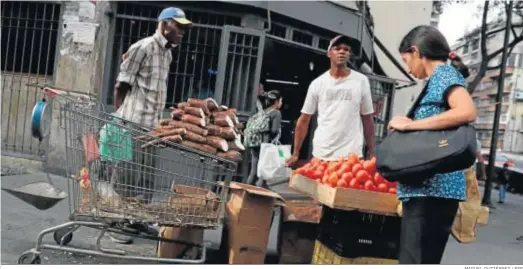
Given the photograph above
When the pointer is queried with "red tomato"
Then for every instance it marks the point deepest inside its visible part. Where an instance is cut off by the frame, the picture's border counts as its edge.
(382, 187)
(340, 172)
(342, 183)
(354, 184)
(347, 177)
(305, 172)
(345, 167)
(393, 190)
(300, 171)
(353, 156)
(369, 186)
(369, 167)
(378, 179)
(333, 179)
(363, 176)
(355, 168)
(317, 174)
(325, 179)
(310, 173)
(331, 167)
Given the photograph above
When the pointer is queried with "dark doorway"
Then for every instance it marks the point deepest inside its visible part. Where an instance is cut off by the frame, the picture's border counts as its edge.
(290, 69)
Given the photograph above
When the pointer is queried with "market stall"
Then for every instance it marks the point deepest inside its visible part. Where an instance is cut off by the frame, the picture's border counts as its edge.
(361, 216)
(352, 194)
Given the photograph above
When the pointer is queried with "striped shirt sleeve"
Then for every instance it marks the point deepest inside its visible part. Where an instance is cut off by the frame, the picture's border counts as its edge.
(130, 67)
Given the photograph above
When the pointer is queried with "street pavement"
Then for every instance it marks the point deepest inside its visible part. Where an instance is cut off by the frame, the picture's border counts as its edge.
(21, 224)
(496, 243)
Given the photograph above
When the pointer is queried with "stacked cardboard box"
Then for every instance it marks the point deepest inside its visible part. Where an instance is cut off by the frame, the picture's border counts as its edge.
(250, 212)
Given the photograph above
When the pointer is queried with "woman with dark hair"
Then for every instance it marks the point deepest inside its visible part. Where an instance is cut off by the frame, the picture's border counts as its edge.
(271, 103)
(430, 207)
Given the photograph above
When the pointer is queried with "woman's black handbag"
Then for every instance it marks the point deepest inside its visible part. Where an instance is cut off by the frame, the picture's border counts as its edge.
(411, 157)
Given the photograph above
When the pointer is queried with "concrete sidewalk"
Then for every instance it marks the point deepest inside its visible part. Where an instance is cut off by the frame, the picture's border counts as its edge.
(21, 223)
(497, 242)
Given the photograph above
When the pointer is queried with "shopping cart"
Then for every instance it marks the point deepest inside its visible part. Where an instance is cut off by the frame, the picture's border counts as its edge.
(119, 174)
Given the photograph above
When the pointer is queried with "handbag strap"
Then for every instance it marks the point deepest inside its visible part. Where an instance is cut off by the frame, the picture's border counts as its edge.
(422, 94)
(416, 104)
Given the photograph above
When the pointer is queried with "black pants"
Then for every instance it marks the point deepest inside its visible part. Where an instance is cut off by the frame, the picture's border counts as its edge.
(425, 229)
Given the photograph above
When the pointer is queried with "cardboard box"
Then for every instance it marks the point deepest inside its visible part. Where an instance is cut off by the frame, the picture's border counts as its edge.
(193, 205)
(307, 211)
(185, 234)
(252, 205)
(249, 220)
(344, 198)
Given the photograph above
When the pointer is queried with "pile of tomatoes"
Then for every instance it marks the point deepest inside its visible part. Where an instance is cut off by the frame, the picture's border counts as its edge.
(350, 172)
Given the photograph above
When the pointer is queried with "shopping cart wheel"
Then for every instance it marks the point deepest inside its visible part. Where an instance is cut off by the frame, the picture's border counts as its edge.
(65, 234)
(29, 258)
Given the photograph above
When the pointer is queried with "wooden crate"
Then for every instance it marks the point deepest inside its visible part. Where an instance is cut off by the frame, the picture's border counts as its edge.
(344, 198)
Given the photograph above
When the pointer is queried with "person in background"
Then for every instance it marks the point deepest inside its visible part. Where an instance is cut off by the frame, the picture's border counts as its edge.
(259, 95)
(479, 168)
(272, 102)
(342, 98)
(141, 90)
(503, 178)
(429, 208)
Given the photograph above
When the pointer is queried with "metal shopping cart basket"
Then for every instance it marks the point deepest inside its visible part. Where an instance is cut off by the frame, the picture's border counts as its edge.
(118, 176)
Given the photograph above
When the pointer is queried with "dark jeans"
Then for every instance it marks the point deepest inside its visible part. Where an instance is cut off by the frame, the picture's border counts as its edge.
(425, 229)
(253, 177)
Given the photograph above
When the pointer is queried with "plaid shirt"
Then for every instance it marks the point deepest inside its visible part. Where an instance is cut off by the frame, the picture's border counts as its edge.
(145, 68)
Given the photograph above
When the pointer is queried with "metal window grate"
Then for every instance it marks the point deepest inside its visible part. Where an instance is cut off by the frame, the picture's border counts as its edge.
(29, 41)
(382, 90)
(278, 30)
(301, 37)
(323, 43)
(195, 62)
(241, 65)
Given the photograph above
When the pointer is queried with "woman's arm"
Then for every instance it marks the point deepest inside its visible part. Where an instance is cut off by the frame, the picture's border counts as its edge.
(276, 123)
(462, 110)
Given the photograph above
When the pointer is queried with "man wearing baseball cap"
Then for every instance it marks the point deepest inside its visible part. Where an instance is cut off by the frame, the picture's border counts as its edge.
(140, 96)
(343, 101)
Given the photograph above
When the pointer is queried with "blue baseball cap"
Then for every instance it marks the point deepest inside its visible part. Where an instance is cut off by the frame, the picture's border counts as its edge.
(174, 13)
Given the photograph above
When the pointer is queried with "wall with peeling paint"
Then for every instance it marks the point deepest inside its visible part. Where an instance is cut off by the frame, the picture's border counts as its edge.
(80, 62)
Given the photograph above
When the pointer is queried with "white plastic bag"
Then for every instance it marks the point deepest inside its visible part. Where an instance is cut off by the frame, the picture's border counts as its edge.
(271, 165)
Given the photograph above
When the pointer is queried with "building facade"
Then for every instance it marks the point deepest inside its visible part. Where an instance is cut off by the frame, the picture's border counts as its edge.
(233, 46)
(510, 136)
(390, 29)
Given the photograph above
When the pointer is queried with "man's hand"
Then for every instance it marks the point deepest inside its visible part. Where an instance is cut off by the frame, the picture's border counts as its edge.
(120, 92)
(302, 127)
(291, 161)
(370, 152)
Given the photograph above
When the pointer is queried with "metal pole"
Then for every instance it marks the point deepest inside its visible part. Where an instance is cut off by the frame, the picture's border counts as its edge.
(501, 84)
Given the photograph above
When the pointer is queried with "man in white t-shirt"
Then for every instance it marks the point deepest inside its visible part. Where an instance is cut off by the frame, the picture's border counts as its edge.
(343, 101)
